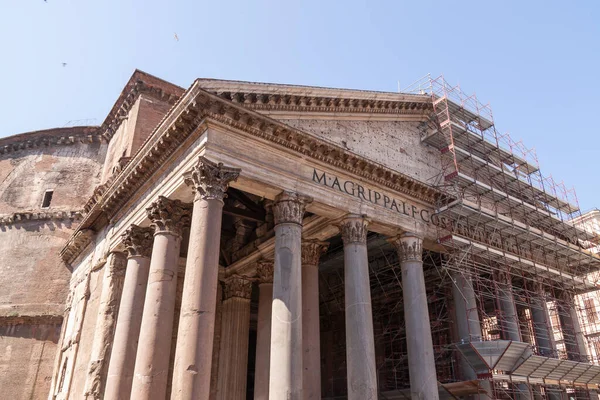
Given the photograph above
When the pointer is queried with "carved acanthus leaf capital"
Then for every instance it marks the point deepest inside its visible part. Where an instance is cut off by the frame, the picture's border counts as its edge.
(354, 229)
(238, 286)
(169, 216)
(264, 271)
(210, 180)
(312, 251)
(409, 247)
(289, 208)
(138, 241)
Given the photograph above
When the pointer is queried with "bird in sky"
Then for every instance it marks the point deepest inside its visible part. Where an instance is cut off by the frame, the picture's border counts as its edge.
(64, 64)
(176, 37)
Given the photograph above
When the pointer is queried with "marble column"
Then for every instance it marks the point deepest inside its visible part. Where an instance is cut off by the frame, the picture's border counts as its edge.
(264, 272)
(421, 362)
(285, 376)
(468, 325)
(311, 333)
(235, 331)
(193, 354)
(110, 296)
(138, 243)
(360, 343)
(154, 346)
(575, 342)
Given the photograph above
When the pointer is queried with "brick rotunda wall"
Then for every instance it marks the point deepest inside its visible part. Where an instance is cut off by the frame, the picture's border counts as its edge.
(34, 281)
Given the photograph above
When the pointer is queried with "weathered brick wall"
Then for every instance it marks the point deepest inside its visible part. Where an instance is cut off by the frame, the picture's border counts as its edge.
(34, 282)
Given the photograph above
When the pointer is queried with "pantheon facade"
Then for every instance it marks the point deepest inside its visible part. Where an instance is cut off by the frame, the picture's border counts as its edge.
(238, 240)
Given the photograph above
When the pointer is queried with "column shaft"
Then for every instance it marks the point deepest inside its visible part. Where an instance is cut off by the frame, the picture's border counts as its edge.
(154, 346)
(311, 333)
(235, 330)
(360, 343)
(110, 296)
(542, 329)
(263, 330)
(138, 242)
(285, 378)
(421, 362)
(193, 355)
(468, 325)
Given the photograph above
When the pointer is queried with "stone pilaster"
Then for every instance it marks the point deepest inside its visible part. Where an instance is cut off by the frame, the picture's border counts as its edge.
(360, 343)
(264, 273)
(286, 327)
(235, 330)
(421, 362)
(138, 243)
(168, 218)
(195, 339)
(110, 296)
(311, 333)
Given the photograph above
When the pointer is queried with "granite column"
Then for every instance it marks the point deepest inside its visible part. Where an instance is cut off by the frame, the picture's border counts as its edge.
(235, 331)
(360, 342)
(421, 363)
(311, 333)
(154, 346)
(193, 354)
(264, 272)
(285, 377)
(138, 243)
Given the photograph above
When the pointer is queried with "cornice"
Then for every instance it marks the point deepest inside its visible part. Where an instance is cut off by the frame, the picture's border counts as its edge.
(20, 217)
(51, 138)
(194, 110)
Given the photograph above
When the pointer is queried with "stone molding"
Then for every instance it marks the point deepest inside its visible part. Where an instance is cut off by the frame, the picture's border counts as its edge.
(264, 271)
(76, 244)
(312, 251)
(169, 216)
(237, 286)
(210, 180)
(354, 229)
(288, 208)
(138, 241)
(409, 247)
(51, 138)
(21, 217)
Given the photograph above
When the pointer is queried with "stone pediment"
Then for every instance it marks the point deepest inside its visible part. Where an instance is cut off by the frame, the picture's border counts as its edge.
(282, 99)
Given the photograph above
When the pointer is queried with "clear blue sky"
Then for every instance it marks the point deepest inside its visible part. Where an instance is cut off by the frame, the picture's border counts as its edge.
(536, 62)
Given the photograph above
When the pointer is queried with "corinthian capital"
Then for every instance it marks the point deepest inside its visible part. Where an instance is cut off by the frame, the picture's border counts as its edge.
(409, 247)
(138, 241)
(238, 286)
(264, 271)
(312, 251)
(211, 180)
(289, 208)
(354, 229)
(169, 216)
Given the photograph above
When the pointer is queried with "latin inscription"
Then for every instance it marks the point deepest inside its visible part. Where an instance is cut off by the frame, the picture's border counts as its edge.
(372, 196)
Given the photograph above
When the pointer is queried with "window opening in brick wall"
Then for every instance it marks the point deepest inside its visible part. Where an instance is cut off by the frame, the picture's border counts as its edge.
(47, 198)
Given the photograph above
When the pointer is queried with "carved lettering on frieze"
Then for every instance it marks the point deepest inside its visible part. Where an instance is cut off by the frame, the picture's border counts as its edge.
(312, 251)
(169, 216)
(238, 286)
(138, 241)
(354, 229)
(289, 208)
(409, 247)
(264, 271)
(210, 180)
